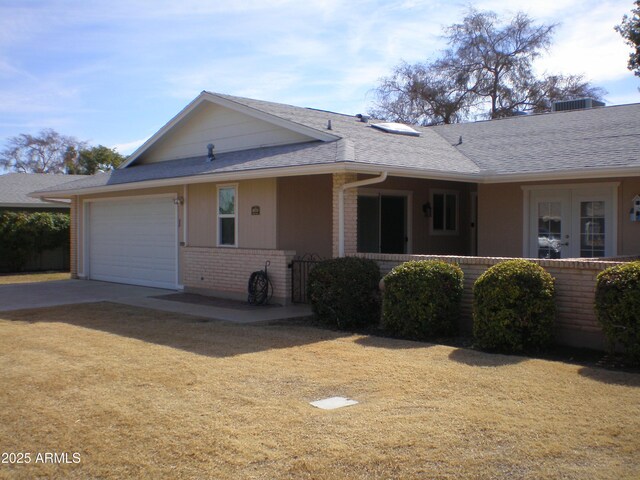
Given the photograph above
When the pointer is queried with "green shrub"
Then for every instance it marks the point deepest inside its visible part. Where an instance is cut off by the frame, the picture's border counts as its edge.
(24, 234)
(344, 292)
(513, 307)
(421, 299)
(617, 305)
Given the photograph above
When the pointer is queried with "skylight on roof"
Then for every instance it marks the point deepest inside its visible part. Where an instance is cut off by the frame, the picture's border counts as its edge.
(397, 128)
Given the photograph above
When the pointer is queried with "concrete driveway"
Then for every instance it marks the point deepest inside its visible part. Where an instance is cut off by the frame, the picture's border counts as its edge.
(64, 292)
(67, 292)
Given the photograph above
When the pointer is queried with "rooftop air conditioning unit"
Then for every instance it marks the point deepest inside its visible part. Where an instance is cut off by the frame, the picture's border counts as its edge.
(576, 104)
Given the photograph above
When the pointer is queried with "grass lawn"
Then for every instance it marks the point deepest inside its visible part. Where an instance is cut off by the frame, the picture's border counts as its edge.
(6, 279)
(145, 394)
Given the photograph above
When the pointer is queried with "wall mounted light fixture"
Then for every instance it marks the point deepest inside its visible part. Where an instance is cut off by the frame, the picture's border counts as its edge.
(426, 209)
(178, 201)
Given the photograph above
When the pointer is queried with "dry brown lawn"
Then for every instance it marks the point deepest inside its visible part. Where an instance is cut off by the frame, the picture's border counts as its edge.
(144, 394)
(33, 277)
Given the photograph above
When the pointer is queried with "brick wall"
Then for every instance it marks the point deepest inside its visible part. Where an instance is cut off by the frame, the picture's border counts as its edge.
(350, 213)
(576, 323)
(225, 272)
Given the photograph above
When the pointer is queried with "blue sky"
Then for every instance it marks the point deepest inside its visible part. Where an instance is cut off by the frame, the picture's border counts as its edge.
(113, 72)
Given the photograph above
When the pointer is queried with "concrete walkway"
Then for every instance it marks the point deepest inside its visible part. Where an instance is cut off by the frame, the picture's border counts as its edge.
(68, 292)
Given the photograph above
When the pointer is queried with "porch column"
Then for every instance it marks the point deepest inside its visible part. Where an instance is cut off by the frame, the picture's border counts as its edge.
(350, 214)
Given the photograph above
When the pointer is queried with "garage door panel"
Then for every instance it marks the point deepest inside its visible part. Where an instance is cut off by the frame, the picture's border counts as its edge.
(133, 242)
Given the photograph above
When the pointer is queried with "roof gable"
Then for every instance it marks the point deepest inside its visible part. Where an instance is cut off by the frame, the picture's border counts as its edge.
(229, 125)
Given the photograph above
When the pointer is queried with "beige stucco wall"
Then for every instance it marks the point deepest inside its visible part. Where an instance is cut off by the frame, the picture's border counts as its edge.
(304, 217)
(254, 231)
(500, 216)
(500, 220)
(228, 130)
(80, 217)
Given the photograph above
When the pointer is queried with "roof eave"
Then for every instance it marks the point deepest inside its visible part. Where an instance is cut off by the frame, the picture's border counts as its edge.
(355, 167)
(568, 174)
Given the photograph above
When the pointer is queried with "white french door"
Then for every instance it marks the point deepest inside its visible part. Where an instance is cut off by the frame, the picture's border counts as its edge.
(572, 222)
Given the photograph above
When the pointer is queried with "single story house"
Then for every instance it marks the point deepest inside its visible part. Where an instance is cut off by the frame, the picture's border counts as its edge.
(231, 182)
(14, 197)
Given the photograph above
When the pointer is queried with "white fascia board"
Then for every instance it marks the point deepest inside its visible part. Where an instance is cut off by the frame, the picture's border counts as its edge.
(223, 102)
(564, 175)
(35, 206)
(410, 172)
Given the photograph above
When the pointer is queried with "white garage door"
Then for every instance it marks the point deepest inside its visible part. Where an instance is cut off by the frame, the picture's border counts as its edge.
(133, 241)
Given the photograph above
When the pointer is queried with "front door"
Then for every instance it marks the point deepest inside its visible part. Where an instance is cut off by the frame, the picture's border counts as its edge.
(571, 223)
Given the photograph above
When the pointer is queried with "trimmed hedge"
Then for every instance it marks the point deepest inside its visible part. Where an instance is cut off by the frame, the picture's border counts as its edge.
(617, 305)
(344, 292)
(421, 299)
(24, 234)
(513, 307)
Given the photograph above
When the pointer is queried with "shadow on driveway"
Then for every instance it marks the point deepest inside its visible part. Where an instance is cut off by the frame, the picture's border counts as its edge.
(197, 335)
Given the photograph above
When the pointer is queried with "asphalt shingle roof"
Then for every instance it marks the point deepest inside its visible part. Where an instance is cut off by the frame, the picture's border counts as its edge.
(429, 151)
(563, 141)
(598, 138)
(312, 153)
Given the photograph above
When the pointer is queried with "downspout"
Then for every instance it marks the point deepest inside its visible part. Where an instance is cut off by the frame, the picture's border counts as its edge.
(343, 188)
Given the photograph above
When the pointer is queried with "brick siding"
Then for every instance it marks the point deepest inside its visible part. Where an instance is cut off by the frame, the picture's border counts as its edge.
(350, 214)
(576, 324)
(225, 272)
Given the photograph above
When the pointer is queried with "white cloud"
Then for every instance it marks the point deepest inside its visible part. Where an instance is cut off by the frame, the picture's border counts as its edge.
(127, 148)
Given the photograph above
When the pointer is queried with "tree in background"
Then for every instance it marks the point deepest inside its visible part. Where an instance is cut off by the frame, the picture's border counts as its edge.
(630, 31)
(51, 152)
(488, 65)
(92, 160)
(42, 153)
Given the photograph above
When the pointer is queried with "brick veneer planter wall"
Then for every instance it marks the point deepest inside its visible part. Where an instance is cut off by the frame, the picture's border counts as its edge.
(225, 272)
(576, 323)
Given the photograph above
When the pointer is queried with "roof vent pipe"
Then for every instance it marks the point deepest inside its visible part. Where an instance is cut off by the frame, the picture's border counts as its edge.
(362, 118)
(211, 157)
(329, 125)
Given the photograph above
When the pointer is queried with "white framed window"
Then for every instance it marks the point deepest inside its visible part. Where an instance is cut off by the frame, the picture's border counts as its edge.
(227, 215)
(444, 212)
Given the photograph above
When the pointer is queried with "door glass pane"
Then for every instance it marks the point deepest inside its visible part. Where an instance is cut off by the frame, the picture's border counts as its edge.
(450, 213)
(438, 211)
(549, 229)
(592, 232)
(392, 222)
(228, 231)
(368, 224)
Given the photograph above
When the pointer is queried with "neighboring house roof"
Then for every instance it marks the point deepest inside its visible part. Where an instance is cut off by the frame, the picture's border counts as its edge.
(586, 143)
(15, 189)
